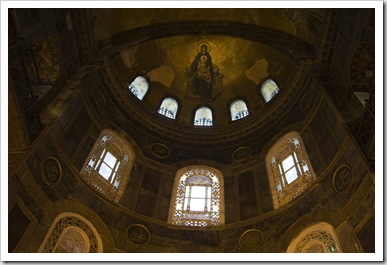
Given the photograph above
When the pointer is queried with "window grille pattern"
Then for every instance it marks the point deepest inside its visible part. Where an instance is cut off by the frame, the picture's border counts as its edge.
(42, 64)
(269, 89)
(316, 238)
(108, 166)
(238, 110)
(76, 244)
(139, 87)
(197, 199)
(317, 242)
(72, 241)
(168, 108)
(203, 117)
(289, 169)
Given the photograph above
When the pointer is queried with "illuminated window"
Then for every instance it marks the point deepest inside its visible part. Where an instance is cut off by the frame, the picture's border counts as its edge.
(317, 238)
(168, 108)
(238, 110)
(198, 197)
(289, 169)
(203, 117)
(269, 89)
(109, 164)
(139, 87)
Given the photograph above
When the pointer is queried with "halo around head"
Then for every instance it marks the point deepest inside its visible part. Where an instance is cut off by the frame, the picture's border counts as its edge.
(204, 43)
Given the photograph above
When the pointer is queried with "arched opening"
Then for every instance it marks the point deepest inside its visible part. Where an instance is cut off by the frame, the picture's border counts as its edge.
(71, 233)
(139, 87)
(269, 89)
(317, 238)
(289, 169)
(203, 117)
(108, 165)
(168, 108)
(197, 197)
(238, 110)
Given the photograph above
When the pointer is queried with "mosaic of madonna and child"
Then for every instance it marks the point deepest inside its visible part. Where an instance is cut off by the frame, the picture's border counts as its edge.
(203, 79)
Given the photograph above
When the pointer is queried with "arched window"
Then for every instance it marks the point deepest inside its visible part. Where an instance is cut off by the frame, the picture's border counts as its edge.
(139, 87)
(238, 109)
(168, 108)
(71, 233)
(108, 165)
(269, 89)
(197, 198)
(318, 238)
(203, 117)
(289, 169)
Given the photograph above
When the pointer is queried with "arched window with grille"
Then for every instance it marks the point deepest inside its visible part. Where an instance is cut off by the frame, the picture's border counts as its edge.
(108, 165)
(197, 198)
(317, 238)
(289, 169)
(238, 110)
(203, 117)
(71, 233)
(139, 87)
(269, 89)
(168, 108)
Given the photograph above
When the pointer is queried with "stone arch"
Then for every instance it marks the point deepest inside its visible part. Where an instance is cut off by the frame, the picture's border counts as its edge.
(71, 221)
(317, 238)
(53, 210)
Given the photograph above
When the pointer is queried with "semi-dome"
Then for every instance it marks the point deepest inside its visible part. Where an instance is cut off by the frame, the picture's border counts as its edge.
(191, 130)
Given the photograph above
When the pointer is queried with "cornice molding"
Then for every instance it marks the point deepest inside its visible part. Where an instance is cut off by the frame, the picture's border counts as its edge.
(282, 41)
